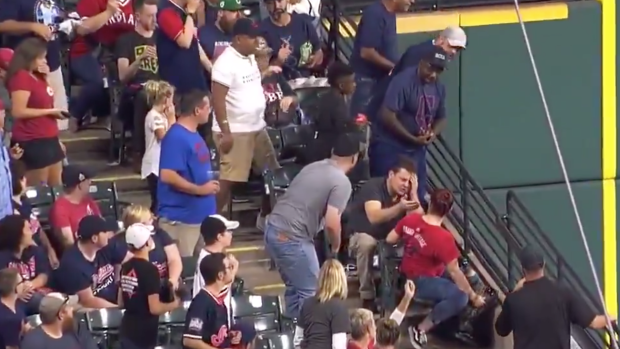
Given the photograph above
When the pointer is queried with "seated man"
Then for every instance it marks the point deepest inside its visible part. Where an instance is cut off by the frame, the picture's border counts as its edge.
(375, 210)
(87, 268)
(18, 250)
(74, 204)
(430, 252)
(137, 63)
(12, 311)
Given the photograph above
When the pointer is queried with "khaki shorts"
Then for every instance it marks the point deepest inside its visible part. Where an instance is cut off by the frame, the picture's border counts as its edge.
(249, 149)
(186, 236)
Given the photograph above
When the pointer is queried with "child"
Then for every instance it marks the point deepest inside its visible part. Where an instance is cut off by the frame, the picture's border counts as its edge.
(159, 96)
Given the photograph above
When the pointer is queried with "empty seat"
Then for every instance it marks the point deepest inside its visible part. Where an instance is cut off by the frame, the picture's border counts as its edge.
(267, 323)
(253, 305)
(281, 340)
(104, 324)
(171, 325)
(41, 198)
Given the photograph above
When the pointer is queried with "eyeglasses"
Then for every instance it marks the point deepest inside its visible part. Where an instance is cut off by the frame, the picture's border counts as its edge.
(62, 306)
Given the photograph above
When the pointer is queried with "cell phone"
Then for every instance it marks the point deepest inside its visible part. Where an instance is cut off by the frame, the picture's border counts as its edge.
(65, 114)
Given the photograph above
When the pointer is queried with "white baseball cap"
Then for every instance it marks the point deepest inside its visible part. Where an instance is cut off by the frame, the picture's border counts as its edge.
(455, 35)
(230, 225)
(138, 234)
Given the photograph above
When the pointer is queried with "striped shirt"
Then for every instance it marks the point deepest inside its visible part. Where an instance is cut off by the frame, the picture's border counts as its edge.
(6, 187)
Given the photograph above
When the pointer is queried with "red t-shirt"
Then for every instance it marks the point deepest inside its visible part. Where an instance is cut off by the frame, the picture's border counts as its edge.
(428, 248)
(41, 97)
(122, 22)
(67, 214)
(351, 345)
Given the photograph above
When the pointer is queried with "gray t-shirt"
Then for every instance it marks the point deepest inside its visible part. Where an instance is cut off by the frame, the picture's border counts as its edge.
(321, 321)
(38, 339)
(300, 211)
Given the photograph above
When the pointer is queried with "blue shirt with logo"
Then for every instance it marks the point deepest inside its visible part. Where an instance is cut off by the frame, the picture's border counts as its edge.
(301, 35)
(32, 263)
(75, 273)
(186, 153)
(417, 104)
(46, 12)
(213, 41)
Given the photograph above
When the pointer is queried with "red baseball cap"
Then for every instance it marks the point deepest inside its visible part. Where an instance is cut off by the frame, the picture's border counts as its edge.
(6, 54)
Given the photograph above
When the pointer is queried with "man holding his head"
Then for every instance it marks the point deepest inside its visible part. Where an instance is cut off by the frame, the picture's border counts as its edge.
(187, 185)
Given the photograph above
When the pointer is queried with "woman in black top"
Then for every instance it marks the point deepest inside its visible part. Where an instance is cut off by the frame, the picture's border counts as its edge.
(22, 207)
(139, 293)
(324, 319)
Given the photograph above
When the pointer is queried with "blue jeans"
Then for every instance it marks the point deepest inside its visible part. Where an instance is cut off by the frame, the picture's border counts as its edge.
(298, 265)
(92, 93)
(449, 299)
(383, 156)
(362, 95)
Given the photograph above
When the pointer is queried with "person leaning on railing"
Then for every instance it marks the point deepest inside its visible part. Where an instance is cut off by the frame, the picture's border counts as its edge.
(539, 311)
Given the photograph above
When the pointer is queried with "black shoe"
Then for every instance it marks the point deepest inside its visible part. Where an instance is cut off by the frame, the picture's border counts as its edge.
(370, 305)
(417, 338)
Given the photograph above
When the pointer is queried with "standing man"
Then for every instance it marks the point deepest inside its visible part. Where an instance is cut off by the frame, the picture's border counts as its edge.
(317, 197)
(181, 59)
(187, 186)
(540, 312)
(239, 131)
(412, 116)
(375, 49)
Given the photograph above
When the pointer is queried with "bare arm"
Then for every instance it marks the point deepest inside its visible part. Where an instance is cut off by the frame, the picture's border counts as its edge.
(175, 266)
(156, 307)
(392, 237)
(204, 59)
(127, 71)
(88, 300)
(92, 24)
(187, 35)
(179, 183)
(16, 28)
(219, 106)
(371, 55)
(456, 274)
(333, 226)
(39, 281)
(67, 236)
(377, 215)
(391, 121)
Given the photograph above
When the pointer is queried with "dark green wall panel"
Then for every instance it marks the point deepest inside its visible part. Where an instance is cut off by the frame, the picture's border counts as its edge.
(550, 205)
(505, 137)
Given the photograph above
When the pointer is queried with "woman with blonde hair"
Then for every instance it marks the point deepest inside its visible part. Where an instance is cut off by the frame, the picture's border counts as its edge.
(164, 255)
(159, 95)
(324, 319)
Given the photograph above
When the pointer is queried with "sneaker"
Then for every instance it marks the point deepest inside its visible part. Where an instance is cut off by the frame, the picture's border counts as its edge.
(417, 338)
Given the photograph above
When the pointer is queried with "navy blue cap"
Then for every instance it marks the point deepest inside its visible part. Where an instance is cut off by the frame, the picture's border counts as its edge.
(72, 175)
(92, 225)
(438, 58)
(245, 26)
(531, 258)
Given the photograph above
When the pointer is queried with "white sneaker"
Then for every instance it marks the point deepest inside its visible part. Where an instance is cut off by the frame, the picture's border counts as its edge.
(417, 338)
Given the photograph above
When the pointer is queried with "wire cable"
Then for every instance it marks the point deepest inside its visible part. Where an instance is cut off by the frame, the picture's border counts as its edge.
(569, 187)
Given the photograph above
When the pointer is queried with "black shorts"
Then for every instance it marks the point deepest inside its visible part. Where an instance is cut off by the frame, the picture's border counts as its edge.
(40, 153)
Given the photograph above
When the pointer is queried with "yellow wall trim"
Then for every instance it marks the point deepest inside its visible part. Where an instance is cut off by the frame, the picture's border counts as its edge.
(610, 144)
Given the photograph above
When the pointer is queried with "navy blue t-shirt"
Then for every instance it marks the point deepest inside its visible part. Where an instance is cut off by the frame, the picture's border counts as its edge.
(157, 256)
(210, 14)
(75, 273)
(417, 104)
(32, 263)
(301, 35)
(171, 21)
(411, 58)
(11, 324)
(377, 29)
(186, 153)
(207, 320)
(41, 11)
(213, 41)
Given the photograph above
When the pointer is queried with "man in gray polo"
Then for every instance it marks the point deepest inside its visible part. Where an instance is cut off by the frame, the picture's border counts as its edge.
(317, 197)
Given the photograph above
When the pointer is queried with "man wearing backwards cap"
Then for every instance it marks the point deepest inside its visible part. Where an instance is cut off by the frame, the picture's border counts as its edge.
(57, 325)
(87, 268)
(139, 293)
(74, 204)
(540, 312)
(412, 115)
(300, 213)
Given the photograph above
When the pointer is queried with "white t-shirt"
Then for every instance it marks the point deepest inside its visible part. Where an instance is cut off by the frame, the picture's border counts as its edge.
(245, 101)
(150, 161)
(308, 7)
(199, 283)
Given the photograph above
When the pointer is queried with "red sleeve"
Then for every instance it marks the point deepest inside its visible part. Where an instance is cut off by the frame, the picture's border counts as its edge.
(58, 215)
(446, 247)
(409, 220)
(170, 23)
(89, 8)
(21, 81)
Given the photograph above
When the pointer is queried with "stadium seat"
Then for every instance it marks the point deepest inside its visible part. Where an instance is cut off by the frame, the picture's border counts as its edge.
(189, 267)
(294, 139)
(238, 287)
(41, 199)
(105, 195)
(308, 98)
(276, 139)
(262, 342)
(171, 325)
(281, 340)
(267, 323)
(252, 305)
(104, 324)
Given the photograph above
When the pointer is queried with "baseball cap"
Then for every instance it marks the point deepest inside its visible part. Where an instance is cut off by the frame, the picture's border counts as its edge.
(531, 258)
(138, 234)
(438, 58)
(245, 26)
(6, 55)
(346, 145)
(52, 303)
(455, 35)
(230, 225)
(230, 5)
(92, 225)
(72, 175)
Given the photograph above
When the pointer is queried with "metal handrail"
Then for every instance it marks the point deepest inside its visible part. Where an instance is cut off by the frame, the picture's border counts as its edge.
(524, 228)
